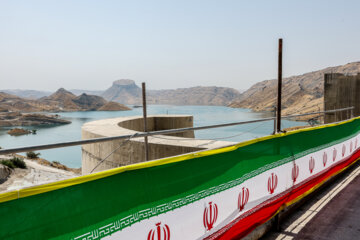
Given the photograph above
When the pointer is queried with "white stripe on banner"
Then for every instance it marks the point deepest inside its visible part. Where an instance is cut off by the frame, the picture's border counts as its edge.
(204, 217)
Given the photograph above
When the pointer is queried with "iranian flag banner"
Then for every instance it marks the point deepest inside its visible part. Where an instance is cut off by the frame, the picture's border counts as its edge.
(214, 194)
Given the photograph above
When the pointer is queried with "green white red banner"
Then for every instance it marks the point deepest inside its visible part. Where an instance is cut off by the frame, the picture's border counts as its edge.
(215, 194)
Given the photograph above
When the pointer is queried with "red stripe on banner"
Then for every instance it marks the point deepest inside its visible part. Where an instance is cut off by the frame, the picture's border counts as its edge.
(242, 226)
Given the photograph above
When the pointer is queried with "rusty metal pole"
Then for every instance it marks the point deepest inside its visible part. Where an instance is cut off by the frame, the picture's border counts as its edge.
(145, 121)
(274, 120)
(278, 117)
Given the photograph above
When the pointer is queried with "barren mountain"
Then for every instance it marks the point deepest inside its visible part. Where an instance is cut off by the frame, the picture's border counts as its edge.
(61, 100)
(78, 92)
(123, 91)
(113, 106)
(300, 94)
(126, 91)
(89, 102)
(31, 94)
(14, 103)
(218, 96)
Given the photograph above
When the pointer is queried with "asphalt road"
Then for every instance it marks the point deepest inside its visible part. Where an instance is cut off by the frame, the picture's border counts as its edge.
(334, 213)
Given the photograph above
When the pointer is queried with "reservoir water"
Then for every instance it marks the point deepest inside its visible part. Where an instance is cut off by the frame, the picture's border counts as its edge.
(203, 115)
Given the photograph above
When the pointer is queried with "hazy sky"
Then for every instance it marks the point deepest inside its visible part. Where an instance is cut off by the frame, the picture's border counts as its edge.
(48, 44)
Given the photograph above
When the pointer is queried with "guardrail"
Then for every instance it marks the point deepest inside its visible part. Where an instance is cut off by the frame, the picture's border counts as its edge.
(151, 133)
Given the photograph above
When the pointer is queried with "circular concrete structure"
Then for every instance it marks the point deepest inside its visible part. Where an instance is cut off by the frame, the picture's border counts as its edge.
(133, 151)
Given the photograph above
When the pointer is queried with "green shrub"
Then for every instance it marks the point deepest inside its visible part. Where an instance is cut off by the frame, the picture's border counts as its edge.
(18, 162)
(32, 155)
(8, 163)
(14, 163)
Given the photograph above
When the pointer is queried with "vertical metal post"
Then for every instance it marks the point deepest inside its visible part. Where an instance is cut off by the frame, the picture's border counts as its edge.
(278, 118)
(274, 120)
(145, 121)
(336, 113)
(352, 113)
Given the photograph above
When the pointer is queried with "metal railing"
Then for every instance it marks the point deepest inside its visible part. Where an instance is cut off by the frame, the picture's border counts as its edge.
(152, 133)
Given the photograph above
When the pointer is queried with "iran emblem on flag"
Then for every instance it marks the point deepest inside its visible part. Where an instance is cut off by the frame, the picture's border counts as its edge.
(311, 164)
(210, 216)
(160, 232)
(243, 198)
(272, 183)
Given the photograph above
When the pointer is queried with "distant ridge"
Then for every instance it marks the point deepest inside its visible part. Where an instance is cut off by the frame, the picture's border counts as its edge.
(127, 92)
(216, 96)
(30, 94)
(78, 92)
(301, 94)
(60, 101)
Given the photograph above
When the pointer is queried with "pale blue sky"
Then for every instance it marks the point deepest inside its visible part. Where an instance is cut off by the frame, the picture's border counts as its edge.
(169, 44)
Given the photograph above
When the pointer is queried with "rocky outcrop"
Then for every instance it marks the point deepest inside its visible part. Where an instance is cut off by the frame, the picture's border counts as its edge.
(89, 102)
(23, 119)
(126, 91)
(113, 106)
(4, 173)
(123, 91)
(301, 94)
(61, 100)
(18, 132)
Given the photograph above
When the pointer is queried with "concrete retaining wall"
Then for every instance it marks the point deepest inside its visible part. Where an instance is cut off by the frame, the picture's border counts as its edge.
(133, 151)
(341, 91)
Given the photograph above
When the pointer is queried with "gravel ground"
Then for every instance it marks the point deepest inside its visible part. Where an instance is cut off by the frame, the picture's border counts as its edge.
(35, 174)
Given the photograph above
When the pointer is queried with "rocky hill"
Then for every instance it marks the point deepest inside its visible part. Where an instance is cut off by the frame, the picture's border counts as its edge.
(78, 92)
(300, 94)
(123, 91)
(217, 96)
(89, 102)
(126, 91)
(12, 103)
(60, 101)
(112, 106)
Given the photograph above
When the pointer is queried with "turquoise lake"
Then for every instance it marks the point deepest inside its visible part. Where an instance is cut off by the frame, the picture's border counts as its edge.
(203, 115)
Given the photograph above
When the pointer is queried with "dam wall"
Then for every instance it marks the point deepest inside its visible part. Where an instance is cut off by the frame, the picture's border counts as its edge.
(124, 152)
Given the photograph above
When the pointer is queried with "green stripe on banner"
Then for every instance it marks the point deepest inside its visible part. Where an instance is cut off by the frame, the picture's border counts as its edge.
(132, 196)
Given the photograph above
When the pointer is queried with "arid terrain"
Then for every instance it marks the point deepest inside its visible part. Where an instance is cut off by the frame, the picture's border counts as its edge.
(60, 101)
(8, 119)
(127, 92)
(301, 94)
(38, 171)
